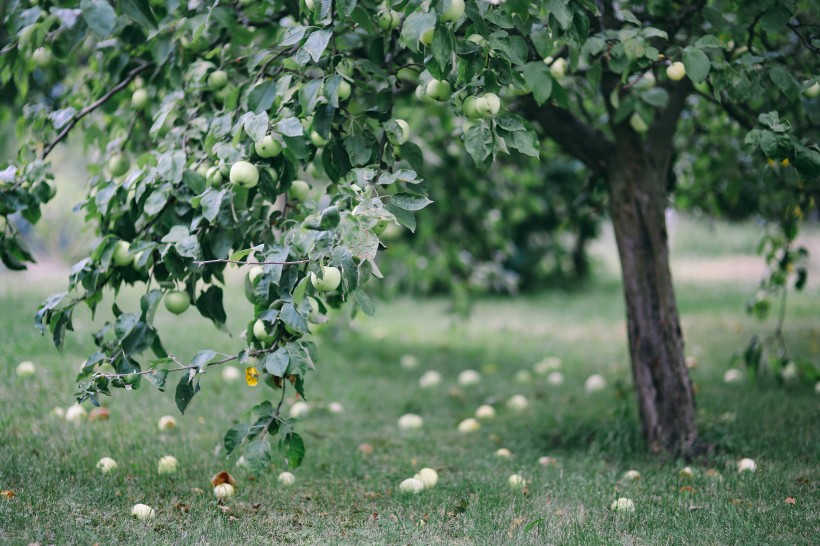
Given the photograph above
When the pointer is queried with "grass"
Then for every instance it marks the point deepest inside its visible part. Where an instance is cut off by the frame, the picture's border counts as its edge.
(342, 497)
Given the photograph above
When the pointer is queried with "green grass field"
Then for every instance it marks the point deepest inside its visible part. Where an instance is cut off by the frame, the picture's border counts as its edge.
(343, 497)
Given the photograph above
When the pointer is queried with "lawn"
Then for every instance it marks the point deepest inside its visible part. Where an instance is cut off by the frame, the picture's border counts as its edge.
(344, 497)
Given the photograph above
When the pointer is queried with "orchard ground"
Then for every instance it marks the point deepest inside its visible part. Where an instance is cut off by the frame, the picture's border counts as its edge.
(344, 497)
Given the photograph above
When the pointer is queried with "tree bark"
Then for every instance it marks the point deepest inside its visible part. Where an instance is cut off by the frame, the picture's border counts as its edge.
(637, 206)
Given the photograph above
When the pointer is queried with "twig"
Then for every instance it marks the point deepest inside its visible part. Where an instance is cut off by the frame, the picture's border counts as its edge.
(295, 262)
(93, 106)
(152, 371)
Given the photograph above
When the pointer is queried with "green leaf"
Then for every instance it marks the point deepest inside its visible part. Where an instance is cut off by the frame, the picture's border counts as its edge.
(276, 363)
(99, 16)
(257, 455)
(202, 357)
(416, 24)
(157, 378)
(404, 217)
(410, 201)
(290, 316)
(365, 303)
(443, 47)
(479, 144)
(537, 76)
(261, 97)
(657, 97)
(139, 11)
(697, 64)
(235, 436)
(209, 304)
(186, 389)
(317, 43)
(561, 11)
(293, 448)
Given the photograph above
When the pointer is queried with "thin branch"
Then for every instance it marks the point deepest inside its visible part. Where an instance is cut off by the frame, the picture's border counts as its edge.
(93, 106)
(152, 371)
(806, 41)
(295, 262)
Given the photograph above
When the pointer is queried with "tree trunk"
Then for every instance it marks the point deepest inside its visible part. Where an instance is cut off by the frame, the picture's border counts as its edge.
(637, 204)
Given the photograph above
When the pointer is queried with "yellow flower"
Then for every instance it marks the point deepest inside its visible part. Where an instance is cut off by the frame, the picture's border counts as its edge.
(252, 376)
(770, 162)
(785, 162)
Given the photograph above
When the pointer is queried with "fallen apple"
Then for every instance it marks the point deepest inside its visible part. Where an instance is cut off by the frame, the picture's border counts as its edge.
(167, 422)
(411, 486)
(286, 478)
(106, 465)
(26, 368)
(142, 512)
(167, 465)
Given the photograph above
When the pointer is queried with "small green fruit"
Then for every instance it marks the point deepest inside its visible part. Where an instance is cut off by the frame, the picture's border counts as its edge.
(387, 19)
(298, 190)
(140, 99)
(454, 12)
(244, 174)
(331, 278)
(488, 104)
(638, 124)
(469, 107)
(558, 69)
(217, 80)
(261, 332)
(42, 57)
(121, 257)
(118, 165)
(477, 39)
(317, 139)
(380, 226)
(399, 139)
(408, 74)
(426, 37)
(812, 92)
(345, 68)
(438, 90)
(214, 176)
(343, 91)
(177, 301)
(268, 147)
(676, 71)
(310, 5)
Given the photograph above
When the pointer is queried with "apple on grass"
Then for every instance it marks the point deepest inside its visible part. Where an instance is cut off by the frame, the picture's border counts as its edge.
(286, 478)
(167, 465)
(177, 301)
(428, 477)
(623, 504)
(26, 368)
(485, 412)
(224, 491)
(516, 481)
(167, 422)
(429, 379)
(411, 486)
(244, 174)
(469, 425)
(331, 279)
(410, 421)
(142, 512)
(106, 465)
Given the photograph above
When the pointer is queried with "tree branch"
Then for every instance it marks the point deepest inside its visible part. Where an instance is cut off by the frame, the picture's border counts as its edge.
(576, 138)
(662, 131)
(93, 106)
(240, 262)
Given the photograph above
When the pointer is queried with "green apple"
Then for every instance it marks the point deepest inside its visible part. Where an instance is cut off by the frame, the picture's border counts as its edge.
(317, 139)
(140, 99)
(331, 278)
(812, 92)
(310, 5)
(399, 139)
(42, 57)
(298, 190)
(121, 257)
(438, 90)
(637, 123)
(214, 176)
(676, 71)
(345, 68)
(118, 165)
(244, 174)
(387, 19)
(218, 79)
(454, 11)
(477, 39)
(427, 36)
(558, 69)
(408, 74)
(255, 272)
(469, 107)
(343, 91)
(644, 82)
(379, 227)
(261, 331)
(268, 147)
(488, 104)
(177, 301)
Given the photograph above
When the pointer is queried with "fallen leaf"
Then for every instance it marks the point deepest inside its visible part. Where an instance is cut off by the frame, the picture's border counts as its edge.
(687, 489)
(7, 493)
(223, 477)
(516, 523)
(197, 491)
(225, 509)
(790, 500)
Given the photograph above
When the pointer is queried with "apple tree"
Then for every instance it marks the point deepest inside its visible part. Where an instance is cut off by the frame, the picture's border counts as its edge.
(225, 131)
